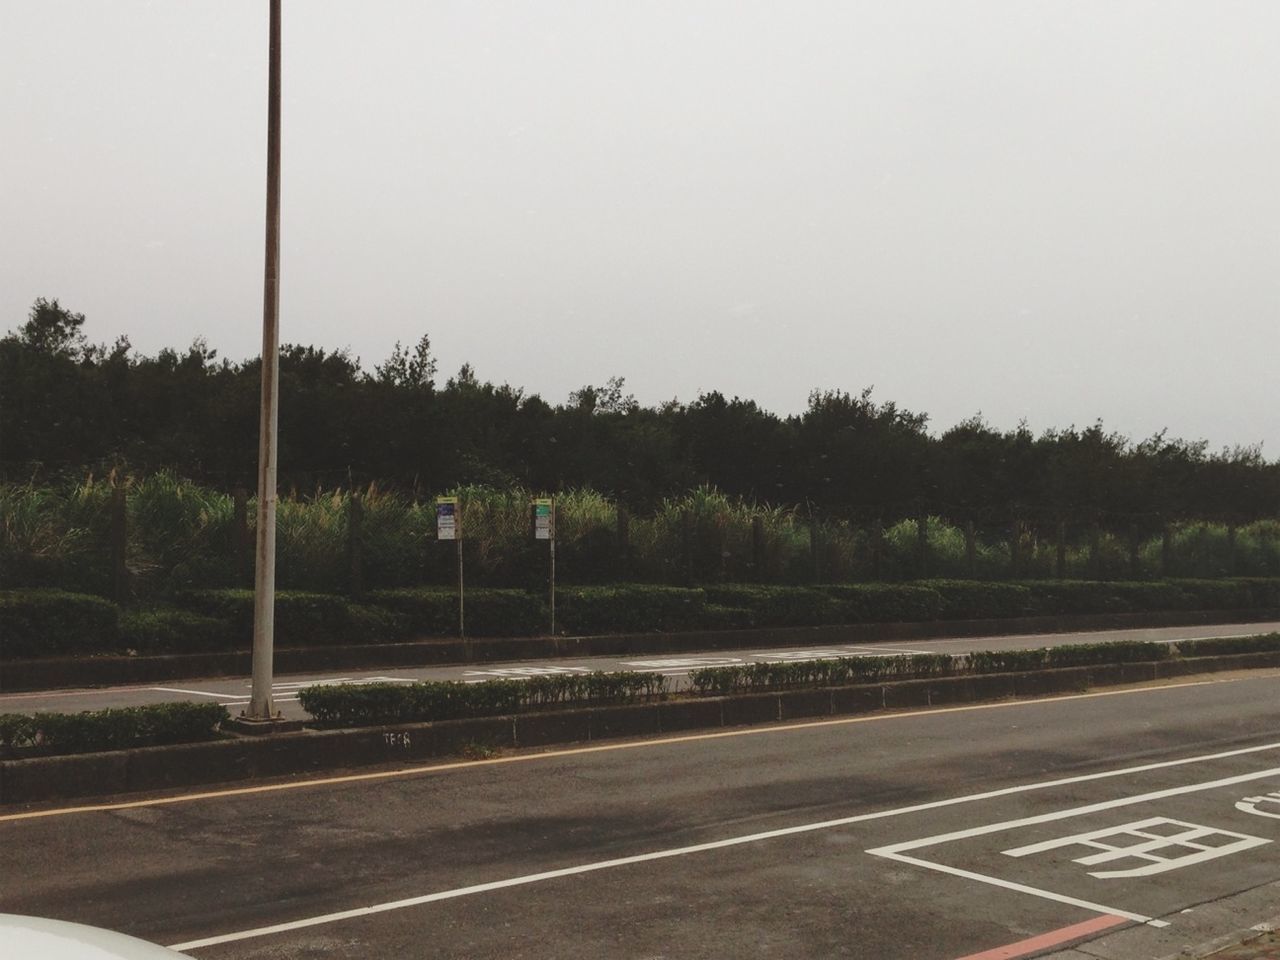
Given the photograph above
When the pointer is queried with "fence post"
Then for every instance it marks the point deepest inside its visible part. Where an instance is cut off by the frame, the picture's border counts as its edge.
(240, 542)
(1095, 551)
(355, 552)
(1134, 547)
(1060, 565)
(1232, 566)
(877, 549)
(815, 549)
(970, 551)
(624, 539)
(686, 547)
(1015, 549)
(1166, 551)
(922, 547)
(757, 548)
(119, 545)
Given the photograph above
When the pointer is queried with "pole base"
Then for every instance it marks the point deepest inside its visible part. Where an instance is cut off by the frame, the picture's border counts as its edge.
(254, 727)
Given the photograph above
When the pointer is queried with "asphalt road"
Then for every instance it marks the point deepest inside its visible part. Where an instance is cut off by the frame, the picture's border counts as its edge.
(234, 691)
(1139, 822)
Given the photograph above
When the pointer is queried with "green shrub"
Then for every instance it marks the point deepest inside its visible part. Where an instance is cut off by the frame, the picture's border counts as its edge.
(1225, 646)
(761, 677)
(778, 606)
(1006, 661)
(1097, 654)
(882, 602)
(1234, 594)
(378, 703)
(45, 623)
(979, 600)
(118, 729)
(490, 611)
(717, 617)
(301, 619)
(628, 608)
(169, 630)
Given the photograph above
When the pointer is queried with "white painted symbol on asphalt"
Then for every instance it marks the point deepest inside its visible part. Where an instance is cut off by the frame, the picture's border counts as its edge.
(1251, 804)
(1149, 839)
(520, 673)
(684, 662)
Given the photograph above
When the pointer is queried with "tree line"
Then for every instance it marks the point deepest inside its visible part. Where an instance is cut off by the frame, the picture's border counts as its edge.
(68, 406)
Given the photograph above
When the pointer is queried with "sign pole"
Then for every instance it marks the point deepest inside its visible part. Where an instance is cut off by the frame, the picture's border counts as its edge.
(553, 566)
(449, 527)
(544, 528)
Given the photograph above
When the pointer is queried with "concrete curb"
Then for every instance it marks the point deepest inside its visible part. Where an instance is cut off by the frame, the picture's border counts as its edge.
(225, 761)
(54, 672)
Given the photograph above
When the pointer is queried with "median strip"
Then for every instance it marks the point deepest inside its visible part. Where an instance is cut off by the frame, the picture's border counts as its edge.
(379, 723)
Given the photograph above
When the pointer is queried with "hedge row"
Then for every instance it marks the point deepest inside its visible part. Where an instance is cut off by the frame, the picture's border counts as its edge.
(377, 703)
(49, 623)
(842, 671)
(46, 623)
(382, 703)
(44, 734)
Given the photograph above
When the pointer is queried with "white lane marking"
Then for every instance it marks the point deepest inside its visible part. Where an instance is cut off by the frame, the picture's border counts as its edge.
(1147, 846)
(667, 663)
(522, 673)
(1118, 635)
(755, 838)
(1032, 891)
(896, 851)
(193, 693)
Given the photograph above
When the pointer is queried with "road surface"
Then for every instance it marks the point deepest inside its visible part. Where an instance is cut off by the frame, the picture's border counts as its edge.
(1139, 822)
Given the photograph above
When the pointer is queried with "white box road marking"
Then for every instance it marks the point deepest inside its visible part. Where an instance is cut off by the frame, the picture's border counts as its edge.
(1146, 847)
(898, 851)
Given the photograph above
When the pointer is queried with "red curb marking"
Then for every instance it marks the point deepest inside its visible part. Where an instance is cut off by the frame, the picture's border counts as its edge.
(1050, 939)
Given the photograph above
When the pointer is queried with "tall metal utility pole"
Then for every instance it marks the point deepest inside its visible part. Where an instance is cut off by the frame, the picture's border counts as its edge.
(264, 592)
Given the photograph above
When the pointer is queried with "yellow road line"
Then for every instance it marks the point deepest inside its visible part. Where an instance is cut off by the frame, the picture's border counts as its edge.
(578, 751)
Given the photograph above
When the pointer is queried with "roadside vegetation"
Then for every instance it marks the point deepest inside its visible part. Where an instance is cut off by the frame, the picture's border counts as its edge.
(47, 623)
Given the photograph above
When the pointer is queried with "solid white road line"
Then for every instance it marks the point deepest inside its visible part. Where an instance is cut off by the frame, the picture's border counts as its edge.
(770, 835)
(194, 693)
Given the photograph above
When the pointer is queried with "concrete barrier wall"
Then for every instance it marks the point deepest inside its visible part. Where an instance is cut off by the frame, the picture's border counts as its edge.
(54, 672)
(314, 751)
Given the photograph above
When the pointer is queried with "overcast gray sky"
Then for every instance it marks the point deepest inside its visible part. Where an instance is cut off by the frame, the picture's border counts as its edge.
(1052, 210)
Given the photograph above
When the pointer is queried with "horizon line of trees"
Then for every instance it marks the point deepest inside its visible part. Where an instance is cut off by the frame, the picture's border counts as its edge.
(68, 406)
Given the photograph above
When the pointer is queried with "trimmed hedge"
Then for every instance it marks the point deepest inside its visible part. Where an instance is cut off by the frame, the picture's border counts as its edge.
(778, 606)
(44, 734)
(842, 671)
(1225, 646)
(1072, 655)
(386, 703)
(301, 619)
(46, 623)
(169, 630)
(378, 703)
(629, 608)
(36, 623)
(490, 611)
(885, 602)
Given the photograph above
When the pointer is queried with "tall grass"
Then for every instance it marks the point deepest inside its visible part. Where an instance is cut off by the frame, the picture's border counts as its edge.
(183, 535)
